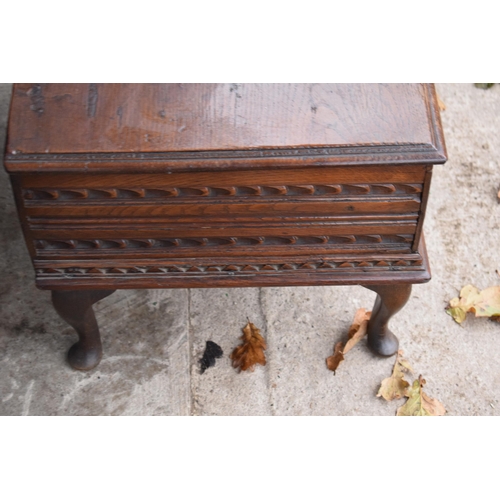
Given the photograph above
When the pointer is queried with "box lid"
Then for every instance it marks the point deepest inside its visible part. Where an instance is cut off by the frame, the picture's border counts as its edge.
(124, 127)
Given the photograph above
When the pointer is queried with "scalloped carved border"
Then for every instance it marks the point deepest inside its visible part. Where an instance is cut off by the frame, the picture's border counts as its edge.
(229, 241)
(50, 194)
(411, 264)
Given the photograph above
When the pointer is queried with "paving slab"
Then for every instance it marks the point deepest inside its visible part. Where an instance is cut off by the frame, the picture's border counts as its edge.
(153, 339)
(219, 315)
(303, 324)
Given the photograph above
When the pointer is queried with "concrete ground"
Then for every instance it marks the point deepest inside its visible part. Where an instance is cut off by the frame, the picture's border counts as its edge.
(153, 338)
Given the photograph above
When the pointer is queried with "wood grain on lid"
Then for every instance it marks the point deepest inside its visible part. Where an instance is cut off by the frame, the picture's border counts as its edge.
(223, 120)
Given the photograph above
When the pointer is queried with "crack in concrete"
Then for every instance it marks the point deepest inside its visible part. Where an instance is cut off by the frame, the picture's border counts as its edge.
(266, 329)
(190, 360)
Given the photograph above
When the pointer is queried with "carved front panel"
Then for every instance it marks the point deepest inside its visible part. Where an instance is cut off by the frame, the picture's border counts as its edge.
(102, 225)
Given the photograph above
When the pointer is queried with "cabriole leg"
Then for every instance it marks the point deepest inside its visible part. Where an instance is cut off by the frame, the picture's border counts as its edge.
(390, 299)
(75, 307)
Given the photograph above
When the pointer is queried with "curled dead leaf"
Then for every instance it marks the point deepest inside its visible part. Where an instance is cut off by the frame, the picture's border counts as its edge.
(420, 404)
(358, 328)
(395, 386)
(356, 332)
(485, 303)
(251, 351)
(334, 361)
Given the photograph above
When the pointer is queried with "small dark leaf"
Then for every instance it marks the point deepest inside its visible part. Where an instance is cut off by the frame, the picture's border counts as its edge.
(484, 85)
(212, 351)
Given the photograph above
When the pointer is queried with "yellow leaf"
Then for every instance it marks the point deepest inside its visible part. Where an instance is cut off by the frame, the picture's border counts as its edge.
(334, 361)
(484, 304)
(395, 386)
(457, 313)
(251, 351)
(420, 404)
(488, 304)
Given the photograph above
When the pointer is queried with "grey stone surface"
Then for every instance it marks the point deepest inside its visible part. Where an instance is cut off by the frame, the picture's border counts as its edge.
(153, 339)
(219, 315)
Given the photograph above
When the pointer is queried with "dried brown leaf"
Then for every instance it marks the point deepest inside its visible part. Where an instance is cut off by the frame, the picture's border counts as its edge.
(358, 328)
(420, 404)
(251, 351)
(485, 303)
(356, 332)
(395, 386)
(334, 361)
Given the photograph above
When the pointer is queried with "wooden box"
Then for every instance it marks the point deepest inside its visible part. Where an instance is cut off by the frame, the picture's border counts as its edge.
(214, 185)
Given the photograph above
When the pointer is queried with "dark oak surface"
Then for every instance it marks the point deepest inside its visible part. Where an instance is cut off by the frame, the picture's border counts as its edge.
(155, 125)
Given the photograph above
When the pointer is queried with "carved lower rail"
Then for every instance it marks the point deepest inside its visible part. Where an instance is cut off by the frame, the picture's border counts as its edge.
(253, 271)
